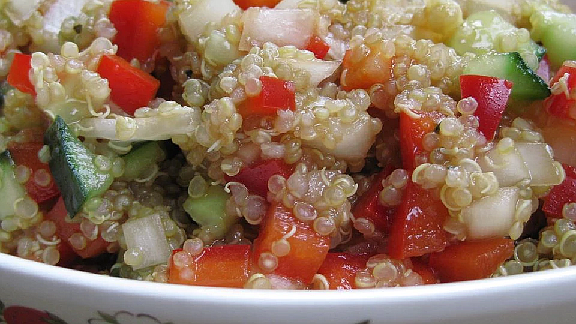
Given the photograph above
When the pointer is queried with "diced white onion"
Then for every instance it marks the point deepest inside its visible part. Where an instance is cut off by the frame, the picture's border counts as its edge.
(194, 19)
(60, 10)
(319, 69)
(509, 167)
(491, 216)
(20, 10)
(282, 27)
(538, 159)
(147, 235)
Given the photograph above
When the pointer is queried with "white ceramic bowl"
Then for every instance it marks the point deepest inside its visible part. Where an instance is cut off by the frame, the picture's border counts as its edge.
(75, 297)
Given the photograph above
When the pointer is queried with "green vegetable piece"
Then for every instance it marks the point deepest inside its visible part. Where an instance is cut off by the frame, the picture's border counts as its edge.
(557, 32)
(141, 159)
(10, 189)
(510, 66)
(73, 168)
(209, 211)
(486, 31)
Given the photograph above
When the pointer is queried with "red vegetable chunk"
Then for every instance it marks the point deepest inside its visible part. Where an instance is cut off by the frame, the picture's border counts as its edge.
(417, 225)
(561, 194)
(307, 248)
(217, 266)
(276, 94)
(245, 4)
(369, 207)
(563, 104)
(40, 185)
(412, 131)
(340, 269)
(491, 94)
(255, 177)
(131, 88)
(318, 46)
(137, 23)
(470, 260)
(18, 76)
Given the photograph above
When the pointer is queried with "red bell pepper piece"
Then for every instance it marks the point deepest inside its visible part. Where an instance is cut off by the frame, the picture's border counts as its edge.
(470, 260)
(131, 88)
(369, 70)
(318, 46)
(561, 194)
(340, 269)
(255, 177)
(137, 23)
(245, 4)
(217, 266)
(276, 94)
(369, 207)
(427, 274)
(559, 104)
(416, 227)
(412, 131)
(308, 249)
(40, 185)
(492, 95)
(65, 229)
(18, 76)
(67, 255)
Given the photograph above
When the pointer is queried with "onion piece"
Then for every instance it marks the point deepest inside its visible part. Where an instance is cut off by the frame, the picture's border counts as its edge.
(180, 121)
(20, 10)
(491, 216)
(538, 159)
(194, 19)
(282, 27)
(319, 69)
(509, 168)
(60, 10)
(295, 4)
(147, 235)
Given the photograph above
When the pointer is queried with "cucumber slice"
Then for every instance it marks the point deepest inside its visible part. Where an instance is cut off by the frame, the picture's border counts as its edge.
(73, 168)
(486, 31)
(142, 159)
(10, 189)
(510, 66)
(209, 211)
(557, 32)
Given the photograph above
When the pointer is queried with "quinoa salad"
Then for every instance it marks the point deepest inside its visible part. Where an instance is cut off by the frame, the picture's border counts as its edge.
(294, 144)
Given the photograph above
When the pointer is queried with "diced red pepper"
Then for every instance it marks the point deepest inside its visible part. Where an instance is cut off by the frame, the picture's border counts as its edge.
(491, 94)
(131, 88)
(417, 226)
(18, 76)
(369, 207)
(412, 131)
(276, 94)
(255, 177)
(425, 271)
(318, 46)
(365, 72)
(65, 229)
(40, 185)
(561, 194)
(137, 23)
(217, 266)
(308, 249)
(470, 260)
(561, 105)
(245, 4)
(340, 269)
(67, 255)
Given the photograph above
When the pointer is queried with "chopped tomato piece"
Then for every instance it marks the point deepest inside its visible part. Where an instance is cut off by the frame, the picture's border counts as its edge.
(65, 229)
(308, 249)
(425, 271)
(217, 266)
(131, 88)
(416, 227)
(67, 255)
(470, 260)
(340, 269)
(364, 72)
(491, 94)
(18, 76)
(40, 185)
(245, 4)
(137, 23)
(369, 207)
(563, 104)
(318, 46)
(255, 177)
(276, 94)
(412, 131)
(561, 194)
